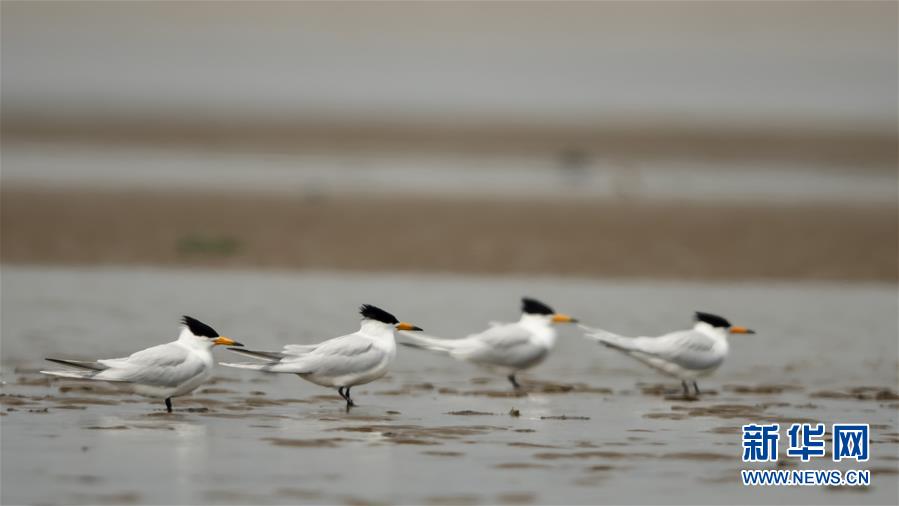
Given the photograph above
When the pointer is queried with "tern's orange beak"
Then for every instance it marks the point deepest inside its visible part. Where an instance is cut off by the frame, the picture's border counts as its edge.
(741, 330)
(406, 326)
(227, 341)
(563, 318)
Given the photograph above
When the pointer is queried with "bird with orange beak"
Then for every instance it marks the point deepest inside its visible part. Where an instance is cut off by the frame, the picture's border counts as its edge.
(164, 371)
(507, 347)
(342, 362)
(684, 354)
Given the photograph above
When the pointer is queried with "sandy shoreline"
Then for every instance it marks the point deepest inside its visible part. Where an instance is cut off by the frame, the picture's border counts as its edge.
(403, 234)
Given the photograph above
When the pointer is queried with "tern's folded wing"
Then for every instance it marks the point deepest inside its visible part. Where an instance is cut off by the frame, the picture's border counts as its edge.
(688, 349)
(163, 365)
(507, 345)
(343, 355)
(503, 337)
(298, 349)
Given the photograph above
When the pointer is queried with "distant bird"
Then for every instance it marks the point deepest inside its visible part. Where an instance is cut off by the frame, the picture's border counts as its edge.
(684, 354)
(164, 371)
(506, 347)
(342, 362)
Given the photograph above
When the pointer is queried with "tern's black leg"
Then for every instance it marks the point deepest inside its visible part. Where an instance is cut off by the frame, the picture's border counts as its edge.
(514, 382)
(696, 387)
(686, 388)
(168, 404)
(346, 397)
(349, 400)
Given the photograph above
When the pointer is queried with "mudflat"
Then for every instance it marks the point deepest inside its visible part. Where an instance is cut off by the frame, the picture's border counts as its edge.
(591, 425)
(405, 233)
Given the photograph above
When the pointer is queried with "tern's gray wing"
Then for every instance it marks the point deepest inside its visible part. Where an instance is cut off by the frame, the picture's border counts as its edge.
(688, 349)
(336, 357)
(508, 345)
(163, 365)
(298, 349)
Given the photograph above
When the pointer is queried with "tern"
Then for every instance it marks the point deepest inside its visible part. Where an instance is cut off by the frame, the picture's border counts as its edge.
(162, 372)
(684, 354)
(506, 347)
(342, 362)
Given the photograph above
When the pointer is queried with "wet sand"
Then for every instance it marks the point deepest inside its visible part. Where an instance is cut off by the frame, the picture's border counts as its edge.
(590, 427)
(96, 447)
(610, 239)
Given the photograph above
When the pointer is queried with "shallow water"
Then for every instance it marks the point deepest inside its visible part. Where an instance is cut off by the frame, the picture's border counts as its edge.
(593, 427)
(67, 166)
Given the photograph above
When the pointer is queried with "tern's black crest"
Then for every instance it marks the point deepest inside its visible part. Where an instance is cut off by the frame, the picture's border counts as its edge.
(199, 328)
(711, 319)
(376, 313)
(531, 306)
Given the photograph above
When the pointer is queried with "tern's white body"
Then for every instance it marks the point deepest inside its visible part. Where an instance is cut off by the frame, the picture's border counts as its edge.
(163, 371)
(346, 361)
(685, 354)
(507, 347)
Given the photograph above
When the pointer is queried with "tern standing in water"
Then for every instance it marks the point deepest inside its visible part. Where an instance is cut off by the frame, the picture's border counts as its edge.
(684, 354)
(342, 362)
(507, 347)
(164, 371)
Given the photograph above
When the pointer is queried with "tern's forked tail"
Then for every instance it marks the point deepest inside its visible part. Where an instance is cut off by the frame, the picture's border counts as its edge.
(608, 338)
(256, 366)
(80, 369)
(426, 342)
(270, 358)
(71, 374)
(261, 355)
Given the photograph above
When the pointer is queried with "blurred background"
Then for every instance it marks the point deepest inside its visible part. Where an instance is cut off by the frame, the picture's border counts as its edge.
(269, 166)
(607, 139)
